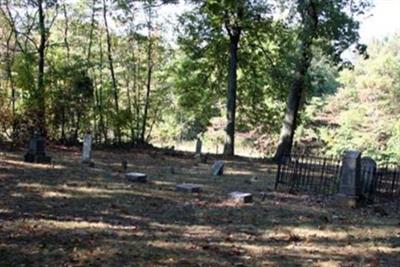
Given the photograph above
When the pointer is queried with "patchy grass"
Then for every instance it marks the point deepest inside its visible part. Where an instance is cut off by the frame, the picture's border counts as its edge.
(67, 214)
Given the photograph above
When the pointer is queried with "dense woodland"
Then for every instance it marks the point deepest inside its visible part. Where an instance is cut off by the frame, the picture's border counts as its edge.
(257, 78)
(261, 72)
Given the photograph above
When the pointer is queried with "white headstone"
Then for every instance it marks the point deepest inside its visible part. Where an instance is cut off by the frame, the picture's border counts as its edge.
(241, 197)
(87, 149)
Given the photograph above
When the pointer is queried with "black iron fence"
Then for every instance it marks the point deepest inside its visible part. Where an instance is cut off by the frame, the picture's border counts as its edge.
(321, 175)
(388, 182)
(301, 173)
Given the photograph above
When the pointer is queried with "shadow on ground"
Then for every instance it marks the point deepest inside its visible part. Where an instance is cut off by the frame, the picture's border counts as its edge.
(67, 214)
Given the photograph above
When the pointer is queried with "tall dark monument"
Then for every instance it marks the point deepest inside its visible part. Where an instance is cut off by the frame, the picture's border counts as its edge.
(36, 151)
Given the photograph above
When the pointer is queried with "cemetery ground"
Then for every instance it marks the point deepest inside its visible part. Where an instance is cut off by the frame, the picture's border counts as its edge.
(69, 214)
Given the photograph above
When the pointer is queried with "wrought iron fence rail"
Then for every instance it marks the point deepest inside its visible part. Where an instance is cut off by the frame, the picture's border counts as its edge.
(321, 175)
(303, 173)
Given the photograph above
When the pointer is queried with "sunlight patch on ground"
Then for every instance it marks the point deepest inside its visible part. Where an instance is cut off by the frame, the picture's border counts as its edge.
(54, 194)
(35, 165)
(169, 245)
(229, 171)
(5, 211)
(314, 232)
(201, 231)
(75, 225)
(107, 221)
(158, 182)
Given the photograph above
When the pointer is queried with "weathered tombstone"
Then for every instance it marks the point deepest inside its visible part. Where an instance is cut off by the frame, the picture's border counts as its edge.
(136, 177)
(199, 145)
(218, 168)
(189, 188)
(368, 179)
(87, 149)
(241, 197)
(37, 150)
(124, 165)
(350, 180)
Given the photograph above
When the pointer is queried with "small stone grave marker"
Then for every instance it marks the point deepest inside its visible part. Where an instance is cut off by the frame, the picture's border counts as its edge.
(241, 197)
(124, 165)
(199, 144)
(136, 177)
(87, 149)
(218, 168)
(368, 179)
(190, 188)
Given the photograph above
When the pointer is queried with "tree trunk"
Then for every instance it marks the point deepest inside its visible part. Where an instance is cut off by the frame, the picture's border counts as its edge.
(92, 24)
(113, 80)
(310, 21)
(128, 95)
(40, 90)
(137, 98)
(9, 63)
(149, 76)
(292, 107)
(102, 123)
(63, 117)
(229, 147)
(66, 28)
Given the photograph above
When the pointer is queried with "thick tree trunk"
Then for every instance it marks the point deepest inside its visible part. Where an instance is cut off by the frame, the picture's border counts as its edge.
(229, 147)
(40, 90)
(309, 17)
(291, 115)
(113, 79)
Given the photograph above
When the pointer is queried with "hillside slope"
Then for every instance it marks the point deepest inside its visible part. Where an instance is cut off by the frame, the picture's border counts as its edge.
(364, 112)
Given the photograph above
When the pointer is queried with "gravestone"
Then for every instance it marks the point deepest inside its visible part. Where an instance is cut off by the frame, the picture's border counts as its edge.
(124, 165)
(368, 179)
(87, 149)
(241, 197)
(37, 150)
(218, 168)
(189, 188)
(136, 177)
(350, 180)
(199, 145)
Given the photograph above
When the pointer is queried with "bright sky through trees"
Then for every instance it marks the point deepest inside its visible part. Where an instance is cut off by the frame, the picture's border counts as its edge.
(384, 20)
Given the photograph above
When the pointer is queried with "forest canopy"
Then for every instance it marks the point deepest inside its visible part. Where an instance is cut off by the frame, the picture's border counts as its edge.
(221, 71)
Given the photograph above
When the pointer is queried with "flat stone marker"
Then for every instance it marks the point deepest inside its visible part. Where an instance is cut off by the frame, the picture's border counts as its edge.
(136, 177)
(218, 168)
(190, 188)
(241, 197)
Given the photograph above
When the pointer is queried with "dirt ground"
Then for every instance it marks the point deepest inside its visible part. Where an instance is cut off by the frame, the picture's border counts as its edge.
(67, 214)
